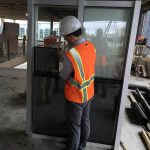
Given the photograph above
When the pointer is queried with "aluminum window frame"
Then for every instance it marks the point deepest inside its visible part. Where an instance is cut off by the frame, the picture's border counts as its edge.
(136, 5)
(32, 13)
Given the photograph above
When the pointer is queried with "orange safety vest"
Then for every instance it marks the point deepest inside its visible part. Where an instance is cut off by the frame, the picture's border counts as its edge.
(80, 87)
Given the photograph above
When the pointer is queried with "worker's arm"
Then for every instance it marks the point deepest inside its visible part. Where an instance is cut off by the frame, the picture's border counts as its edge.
(67, 68)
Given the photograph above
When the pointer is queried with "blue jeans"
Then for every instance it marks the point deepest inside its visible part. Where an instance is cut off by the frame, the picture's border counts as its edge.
(78, 124)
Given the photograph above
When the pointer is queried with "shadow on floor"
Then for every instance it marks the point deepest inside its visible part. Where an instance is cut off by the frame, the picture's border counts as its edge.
(18, 100)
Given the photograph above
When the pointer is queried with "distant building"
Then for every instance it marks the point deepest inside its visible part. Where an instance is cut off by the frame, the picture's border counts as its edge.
(43, 28)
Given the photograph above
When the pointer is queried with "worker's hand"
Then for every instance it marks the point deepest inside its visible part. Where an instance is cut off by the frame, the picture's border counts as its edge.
(60, 52)
(59, 49)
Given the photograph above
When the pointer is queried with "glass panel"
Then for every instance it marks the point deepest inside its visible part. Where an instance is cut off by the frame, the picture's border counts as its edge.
(104, 109)
(47, 27)
(48, 107)
(48, 94)
(107, 27)
(48, 91)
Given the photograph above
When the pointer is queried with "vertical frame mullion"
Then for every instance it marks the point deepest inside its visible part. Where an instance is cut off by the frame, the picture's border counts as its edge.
(127, 72)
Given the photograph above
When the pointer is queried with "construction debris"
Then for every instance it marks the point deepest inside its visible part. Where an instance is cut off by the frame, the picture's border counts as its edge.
(146, 138)
(123, 145)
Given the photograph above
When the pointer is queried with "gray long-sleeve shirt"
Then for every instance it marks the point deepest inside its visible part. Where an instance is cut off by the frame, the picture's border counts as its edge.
(67, 65)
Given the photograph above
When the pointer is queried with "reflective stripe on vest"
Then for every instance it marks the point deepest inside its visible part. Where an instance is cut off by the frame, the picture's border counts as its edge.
(78, 61)
(85, 84)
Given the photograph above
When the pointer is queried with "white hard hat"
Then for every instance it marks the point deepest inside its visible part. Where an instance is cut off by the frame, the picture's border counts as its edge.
(69, 25)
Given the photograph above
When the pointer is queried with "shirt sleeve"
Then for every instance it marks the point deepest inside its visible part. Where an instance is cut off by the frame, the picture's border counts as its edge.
(67, 68)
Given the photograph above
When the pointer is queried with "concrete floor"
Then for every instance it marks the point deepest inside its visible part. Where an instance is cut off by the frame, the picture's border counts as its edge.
(13, 117)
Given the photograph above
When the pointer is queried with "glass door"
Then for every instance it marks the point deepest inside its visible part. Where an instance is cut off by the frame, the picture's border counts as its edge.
(48, 90)
(108, 28)
(111, 26)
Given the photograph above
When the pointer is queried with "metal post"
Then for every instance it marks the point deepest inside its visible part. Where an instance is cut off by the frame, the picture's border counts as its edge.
(8, 50)
(31, 40)
(81, 10)
(51, 24)
(36, 11)
(24, 42)
(127, 72)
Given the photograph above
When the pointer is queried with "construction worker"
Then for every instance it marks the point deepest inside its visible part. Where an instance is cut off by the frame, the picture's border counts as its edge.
(78, 71)
(101, 60)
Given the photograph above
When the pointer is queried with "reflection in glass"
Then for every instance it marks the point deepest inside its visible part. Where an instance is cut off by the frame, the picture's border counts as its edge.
(45, 90)
(48, 99)
(49, 116)
(103, 111)
(108, 34)
(107, 28)
(48, 94)
(47, 27)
